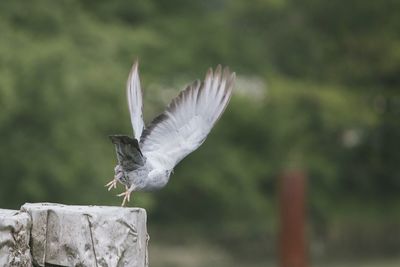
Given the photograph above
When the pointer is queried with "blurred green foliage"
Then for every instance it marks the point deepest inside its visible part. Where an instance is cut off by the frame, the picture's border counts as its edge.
(317, 90)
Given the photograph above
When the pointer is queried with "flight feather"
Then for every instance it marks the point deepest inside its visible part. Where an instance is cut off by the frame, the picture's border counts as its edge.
(135, 101)
(188, 119)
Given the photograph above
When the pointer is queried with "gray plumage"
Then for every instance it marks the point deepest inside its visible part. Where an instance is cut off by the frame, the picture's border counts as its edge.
(146, 161)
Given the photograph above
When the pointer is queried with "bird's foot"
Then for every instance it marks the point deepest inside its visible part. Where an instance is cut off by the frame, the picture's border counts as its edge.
(111, 184)
(126, 195)
(118, 175)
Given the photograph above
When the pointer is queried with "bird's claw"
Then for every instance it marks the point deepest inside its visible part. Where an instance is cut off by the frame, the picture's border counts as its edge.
(118, 175)
(126, 195)
(111, 184)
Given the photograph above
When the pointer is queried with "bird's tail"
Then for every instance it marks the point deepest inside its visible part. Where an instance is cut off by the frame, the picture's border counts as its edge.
(128, 152)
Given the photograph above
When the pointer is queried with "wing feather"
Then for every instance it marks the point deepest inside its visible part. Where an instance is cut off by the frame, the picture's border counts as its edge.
(188, 119)
(135, 101)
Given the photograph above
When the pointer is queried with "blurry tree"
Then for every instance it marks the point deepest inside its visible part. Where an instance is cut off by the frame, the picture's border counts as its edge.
(327, 102)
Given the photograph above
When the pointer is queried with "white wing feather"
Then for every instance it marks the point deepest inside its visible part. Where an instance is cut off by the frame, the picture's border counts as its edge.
(187, 121)
(135, 101)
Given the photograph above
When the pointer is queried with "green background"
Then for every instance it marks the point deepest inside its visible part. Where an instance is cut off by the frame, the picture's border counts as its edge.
(317, 90)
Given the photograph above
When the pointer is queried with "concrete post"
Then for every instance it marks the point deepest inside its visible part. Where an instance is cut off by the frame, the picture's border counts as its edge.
(64, 235)
(14, 238)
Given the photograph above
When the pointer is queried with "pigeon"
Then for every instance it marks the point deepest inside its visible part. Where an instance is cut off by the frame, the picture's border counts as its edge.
(147, 159)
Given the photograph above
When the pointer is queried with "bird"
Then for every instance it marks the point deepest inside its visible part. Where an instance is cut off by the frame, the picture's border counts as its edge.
(146, 160)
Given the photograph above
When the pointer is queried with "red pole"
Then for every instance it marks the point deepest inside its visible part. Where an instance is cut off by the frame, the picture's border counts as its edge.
(292, 220)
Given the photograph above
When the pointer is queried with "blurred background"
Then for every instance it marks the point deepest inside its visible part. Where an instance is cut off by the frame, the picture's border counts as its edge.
(317, 91)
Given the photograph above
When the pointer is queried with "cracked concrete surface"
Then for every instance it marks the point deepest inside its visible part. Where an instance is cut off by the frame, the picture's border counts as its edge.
(14, 238)
(75, 236)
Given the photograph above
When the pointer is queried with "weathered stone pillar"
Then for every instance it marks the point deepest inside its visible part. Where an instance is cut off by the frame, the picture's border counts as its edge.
(14, 239)
(87, 235)
(53, 234)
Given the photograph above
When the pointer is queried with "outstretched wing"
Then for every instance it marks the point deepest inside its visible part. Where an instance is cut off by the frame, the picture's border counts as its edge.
(188, 119)
(135, 101)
